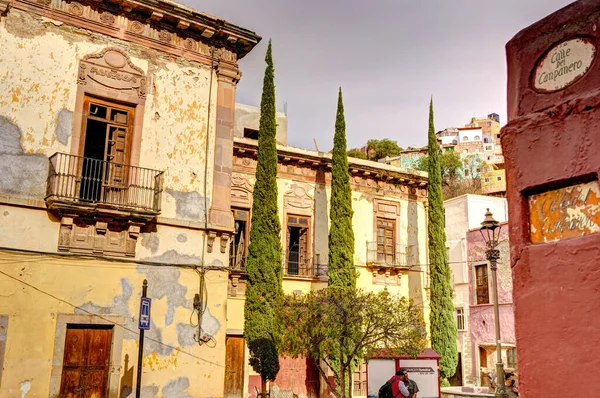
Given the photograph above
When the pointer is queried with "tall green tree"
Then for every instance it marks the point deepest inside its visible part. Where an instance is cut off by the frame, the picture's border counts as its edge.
(264, 293)
(342, 272)
(443, 326)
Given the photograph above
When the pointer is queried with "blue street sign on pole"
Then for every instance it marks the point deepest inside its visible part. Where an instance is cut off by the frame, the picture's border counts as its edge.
(145, 313)
(144, 325)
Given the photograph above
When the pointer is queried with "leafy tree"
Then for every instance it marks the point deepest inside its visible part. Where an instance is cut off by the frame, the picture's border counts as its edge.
(379, 149)
(342, 272)
(264, 293)
(443, 327)
(355, 153)
(450, 165)
(337, 330)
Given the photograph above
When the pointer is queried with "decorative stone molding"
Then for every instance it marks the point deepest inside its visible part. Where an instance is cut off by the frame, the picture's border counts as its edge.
(241, 192)
(102, 236)
(224, 240)
(112, 69)
(227, 73)
(4, 6)
(298, 201)
(212, 235)
(315, 168)
(163, 26)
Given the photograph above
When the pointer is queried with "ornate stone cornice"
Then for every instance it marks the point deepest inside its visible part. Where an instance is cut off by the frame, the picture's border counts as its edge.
(316, 167)
(226, 72)
(163, 25)
(4, 5)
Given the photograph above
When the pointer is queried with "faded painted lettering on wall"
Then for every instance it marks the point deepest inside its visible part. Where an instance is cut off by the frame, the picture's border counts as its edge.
(565, 213)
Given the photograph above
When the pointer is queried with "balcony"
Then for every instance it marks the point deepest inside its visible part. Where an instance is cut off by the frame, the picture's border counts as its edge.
(81, 184)
(295, 265)
(398, 256)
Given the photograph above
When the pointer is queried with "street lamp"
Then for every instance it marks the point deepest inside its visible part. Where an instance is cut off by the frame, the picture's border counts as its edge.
(490, 230)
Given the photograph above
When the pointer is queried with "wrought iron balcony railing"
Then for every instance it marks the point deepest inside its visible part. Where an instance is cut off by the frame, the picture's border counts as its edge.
(396, 256)
(294, 264)
(75, 180)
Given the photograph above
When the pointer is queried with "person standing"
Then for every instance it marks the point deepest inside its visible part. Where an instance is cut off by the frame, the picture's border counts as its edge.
(411, 386)
(511, 386)
(399, 389)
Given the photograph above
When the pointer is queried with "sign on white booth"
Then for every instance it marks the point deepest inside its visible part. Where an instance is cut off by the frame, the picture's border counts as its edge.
(423, 371)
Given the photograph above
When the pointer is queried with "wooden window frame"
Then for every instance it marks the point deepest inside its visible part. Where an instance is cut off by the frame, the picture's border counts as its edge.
(359, 379)
(247, 229)
(460, 319)
(88, 87)
(511, 358)
(114, 376)
(394, 238)
(477, 286)
(109, 104)
(309, 240)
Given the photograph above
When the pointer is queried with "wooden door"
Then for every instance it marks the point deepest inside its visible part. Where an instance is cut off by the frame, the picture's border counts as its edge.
(234, 367)
(86, 362)
(386, 240)
(116, 156)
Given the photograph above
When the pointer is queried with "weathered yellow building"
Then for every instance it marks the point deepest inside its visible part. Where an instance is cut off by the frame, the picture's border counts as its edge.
(118, 164)
(390, 229)
(116, 142)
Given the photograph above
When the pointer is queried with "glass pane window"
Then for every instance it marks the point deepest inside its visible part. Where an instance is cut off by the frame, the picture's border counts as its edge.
(482, 287)
(460, 319)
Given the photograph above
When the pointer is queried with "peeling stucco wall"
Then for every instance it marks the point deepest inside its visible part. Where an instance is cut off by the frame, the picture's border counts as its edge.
(38, 85)
(174, 363)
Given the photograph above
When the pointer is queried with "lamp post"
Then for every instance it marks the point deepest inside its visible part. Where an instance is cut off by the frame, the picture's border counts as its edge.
(490, 230)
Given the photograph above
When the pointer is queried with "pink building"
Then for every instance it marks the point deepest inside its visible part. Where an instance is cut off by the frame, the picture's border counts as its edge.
(481, 308)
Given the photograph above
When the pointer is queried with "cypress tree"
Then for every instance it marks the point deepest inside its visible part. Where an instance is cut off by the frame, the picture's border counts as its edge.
(342, 273)
(443, 327)
(264, 293)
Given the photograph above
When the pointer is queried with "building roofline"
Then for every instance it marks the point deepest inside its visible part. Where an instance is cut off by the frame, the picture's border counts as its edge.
(356, 166)
(160, 15)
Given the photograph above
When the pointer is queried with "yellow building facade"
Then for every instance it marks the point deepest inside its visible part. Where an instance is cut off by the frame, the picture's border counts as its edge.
(118, 164)
(390, 230)
(115, 122)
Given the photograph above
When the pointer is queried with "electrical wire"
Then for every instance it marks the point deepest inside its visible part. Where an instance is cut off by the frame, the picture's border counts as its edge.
(108, 259)
(107, 320)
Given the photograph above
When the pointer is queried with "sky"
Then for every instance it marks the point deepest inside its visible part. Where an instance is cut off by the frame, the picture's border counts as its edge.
(388, 56)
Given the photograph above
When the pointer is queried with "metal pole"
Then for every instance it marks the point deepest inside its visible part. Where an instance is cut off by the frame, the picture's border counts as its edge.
(493, 255)
(138, 386)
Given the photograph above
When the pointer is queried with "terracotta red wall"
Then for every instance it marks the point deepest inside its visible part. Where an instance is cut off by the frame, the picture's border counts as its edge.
(298, 376)
(552, 140)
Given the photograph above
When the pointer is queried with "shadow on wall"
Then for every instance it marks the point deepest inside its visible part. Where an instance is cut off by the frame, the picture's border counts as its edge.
(23, 175)
(127, 379)
(415, 278)
(321, 236)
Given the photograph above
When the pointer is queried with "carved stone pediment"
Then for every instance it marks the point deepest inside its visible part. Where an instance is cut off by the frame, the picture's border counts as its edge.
(241, 192)
(112, 69)
(298, 198)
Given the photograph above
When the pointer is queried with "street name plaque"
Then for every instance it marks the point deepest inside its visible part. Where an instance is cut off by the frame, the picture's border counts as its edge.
(564, 64)
(565, 213)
